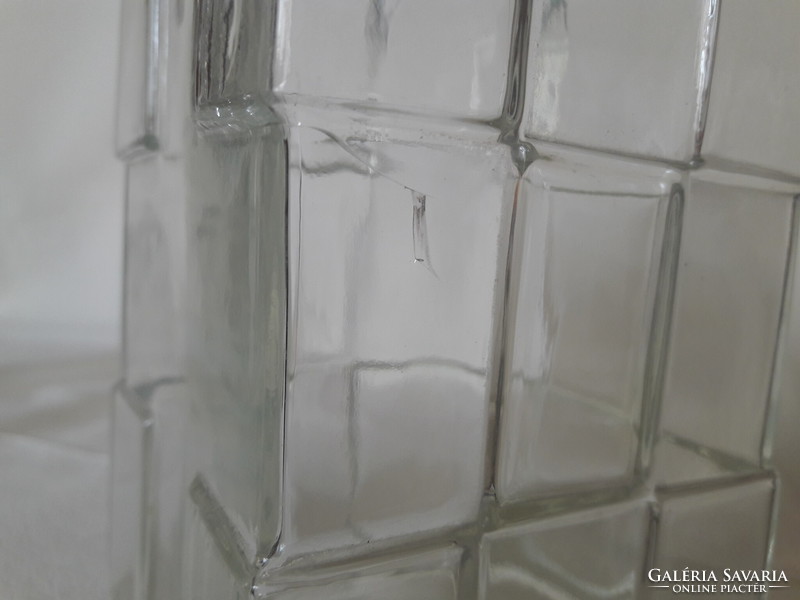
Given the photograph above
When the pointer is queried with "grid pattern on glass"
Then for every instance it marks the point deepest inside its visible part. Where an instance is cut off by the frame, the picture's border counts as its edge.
(625, 76)
(331, 208)
(753, 119)
(713, 529)
(440, 56)
(593, 554)
(235, 343)
(584, 277)
(729, 292)
(392, 330)
(360, 51)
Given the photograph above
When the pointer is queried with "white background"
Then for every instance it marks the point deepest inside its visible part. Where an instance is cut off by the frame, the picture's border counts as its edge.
(60, 184)
(61, 200)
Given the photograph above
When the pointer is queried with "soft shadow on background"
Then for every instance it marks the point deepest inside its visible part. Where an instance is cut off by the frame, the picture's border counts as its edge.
(61, 198)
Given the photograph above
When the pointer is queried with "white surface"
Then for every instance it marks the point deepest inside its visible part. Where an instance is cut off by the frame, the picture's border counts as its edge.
(60, 184)
(60, 279)
(54, 478)
(51, 549)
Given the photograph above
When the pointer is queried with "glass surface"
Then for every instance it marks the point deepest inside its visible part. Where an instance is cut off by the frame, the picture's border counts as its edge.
(588, 238)
(782, 445)
(396, 53)
(138, 85)
(627, 76)
(590, 554)
(233, 50)
(397, 251)
(439, 56)
(753, 119)
(714, 529)
(727, 308)
(155, 260)
(427, 575)
(404, 319)
(235, 346)
(147, 490)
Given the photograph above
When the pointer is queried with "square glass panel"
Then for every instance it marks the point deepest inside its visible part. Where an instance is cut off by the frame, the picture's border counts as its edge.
(584, 277)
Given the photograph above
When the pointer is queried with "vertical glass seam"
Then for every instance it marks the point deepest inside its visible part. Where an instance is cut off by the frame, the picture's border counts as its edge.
(148, 139)
(705, 67)
(265, 555)
(773, 519)
(522, 154)
(770, 411)
(502, 347)
(660, 330)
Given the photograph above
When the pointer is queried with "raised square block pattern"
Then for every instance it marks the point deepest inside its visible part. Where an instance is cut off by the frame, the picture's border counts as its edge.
(626, 76)
(592, 555)
(727, 308)
(234, 48)
(392, 310)
(752, 115)
(440, 56)
(713, 530)
(587, 252)
(235, 337)
(435, 56)
(316, 296)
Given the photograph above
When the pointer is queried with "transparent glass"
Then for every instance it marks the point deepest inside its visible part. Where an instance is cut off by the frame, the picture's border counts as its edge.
(718, 527)
(449, 300)
(591, 237)
(592, 554)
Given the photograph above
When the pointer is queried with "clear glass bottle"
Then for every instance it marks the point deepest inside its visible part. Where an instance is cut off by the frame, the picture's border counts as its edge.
(437, 300)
